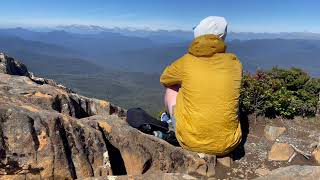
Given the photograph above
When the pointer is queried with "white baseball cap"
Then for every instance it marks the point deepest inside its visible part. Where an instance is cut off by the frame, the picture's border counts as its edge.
(215, 25)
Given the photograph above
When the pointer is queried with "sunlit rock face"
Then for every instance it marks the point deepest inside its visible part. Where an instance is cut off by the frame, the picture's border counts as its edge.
(49, 131)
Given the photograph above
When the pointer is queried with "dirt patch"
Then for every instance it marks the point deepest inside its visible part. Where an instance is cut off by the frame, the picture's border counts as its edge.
(253, 154)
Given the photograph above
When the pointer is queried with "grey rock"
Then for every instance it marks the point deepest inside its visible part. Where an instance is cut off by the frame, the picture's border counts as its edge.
(273, 132)
(49, 132)
(9, 66)
(150, 176)
(294, 172)
(142, 153)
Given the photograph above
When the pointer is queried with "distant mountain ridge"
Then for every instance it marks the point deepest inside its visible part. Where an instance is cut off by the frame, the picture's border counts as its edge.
(150, 54)
(119, 67)
(185, 34)
(279, 35)
(161, 36)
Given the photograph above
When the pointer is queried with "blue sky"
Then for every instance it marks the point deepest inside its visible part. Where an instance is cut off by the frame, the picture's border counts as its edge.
(242, 15)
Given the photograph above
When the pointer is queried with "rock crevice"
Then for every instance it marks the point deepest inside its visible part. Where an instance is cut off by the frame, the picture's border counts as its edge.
(47, 131)
(66, 147)
(116, 161)
(52, 132)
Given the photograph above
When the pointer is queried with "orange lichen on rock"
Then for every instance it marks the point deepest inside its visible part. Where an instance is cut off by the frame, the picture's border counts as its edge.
(104, 104)
(29, 108)
(133, 163)
(105, 126)
(38, 95)
(42, 140)
(65, 118)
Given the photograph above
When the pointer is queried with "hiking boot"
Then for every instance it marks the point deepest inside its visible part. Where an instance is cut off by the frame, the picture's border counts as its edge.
(170, 137)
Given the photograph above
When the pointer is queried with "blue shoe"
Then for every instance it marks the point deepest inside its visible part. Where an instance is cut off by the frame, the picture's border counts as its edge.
(165, 118)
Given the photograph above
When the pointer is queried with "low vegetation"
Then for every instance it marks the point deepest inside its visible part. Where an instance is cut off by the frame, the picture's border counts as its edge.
(280, 92)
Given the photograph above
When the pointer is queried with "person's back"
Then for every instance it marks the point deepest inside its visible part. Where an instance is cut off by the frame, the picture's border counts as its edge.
(206, 110)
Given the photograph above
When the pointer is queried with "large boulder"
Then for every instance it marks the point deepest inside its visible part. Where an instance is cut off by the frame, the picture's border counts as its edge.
(49, 132)
(9, 66)
(143, 153)
(49, 145)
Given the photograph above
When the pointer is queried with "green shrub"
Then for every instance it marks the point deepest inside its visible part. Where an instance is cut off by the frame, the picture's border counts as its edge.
(280, 92)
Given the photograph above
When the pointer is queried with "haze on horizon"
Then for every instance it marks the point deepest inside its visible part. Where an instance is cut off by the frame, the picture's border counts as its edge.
(243, 16)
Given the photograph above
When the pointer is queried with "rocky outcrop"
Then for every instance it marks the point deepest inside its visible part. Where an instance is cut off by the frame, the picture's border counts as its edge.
(48, 131)
(295, 172)
(9, 66)
(155, 176)
(145, 153)
(40, 134)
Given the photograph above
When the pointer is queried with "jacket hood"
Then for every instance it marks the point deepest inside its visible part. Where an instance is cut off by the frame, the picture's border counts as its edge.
(207, 46)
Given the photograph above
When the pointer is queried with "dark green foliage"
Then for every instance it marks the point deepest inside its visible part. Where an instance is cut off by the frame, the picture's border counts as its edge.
(280, 92)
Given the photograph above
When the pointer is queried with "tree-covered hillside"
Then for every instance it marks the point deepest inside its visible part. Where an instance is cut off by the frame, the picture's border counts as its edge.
(126, 70)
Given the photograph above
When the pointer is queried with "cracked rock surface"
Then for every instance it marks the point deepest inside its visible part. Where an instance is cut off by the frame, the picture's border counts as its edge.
(49, 132)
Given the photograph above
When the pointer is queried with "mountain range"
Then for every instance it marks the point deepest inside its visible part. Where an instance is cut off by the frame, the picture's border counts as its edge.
(124, 64)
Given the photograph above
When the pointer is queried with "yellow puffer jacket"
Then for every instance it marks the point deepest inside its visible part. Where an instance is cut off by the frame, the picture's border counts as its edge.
(206, 110)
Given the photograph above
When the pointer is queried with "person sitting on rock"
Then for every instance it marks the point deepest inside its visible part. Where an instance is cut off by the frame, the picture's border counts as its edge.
(202, 92)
